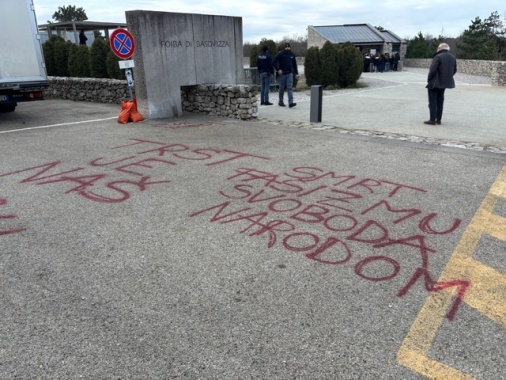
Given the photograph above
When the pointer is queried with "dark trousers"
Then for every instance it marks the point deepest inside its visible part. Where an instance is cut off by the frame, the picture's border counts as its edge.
(436, 100)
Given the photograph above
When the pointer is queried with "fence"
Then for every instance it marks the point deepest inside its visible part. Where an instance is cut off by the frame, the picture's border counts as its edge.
(252, 76)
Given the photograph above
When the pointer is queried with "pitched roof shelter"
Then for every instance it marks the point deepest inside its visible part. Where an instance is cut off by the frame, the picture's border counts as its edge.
(81, 25)
(363, 36)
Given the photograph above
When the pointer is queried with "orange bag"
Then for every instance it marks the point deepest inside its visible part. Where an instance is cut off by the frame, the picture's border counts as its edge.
(126, 109)
(135, 116)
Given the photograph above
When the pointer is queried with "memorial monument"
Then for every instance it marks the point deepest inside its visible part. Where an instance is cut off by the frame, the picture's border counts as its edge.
(180, 49)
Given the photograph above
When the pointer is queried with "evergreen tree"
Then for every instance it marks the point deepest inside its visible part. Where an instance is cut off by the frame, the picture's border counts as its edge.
(49, 55)
(495, 25)
(253, 56)
(98, 57)
(61, 57)
(70, 13)
(478, 41)
(79, 61)
(313, 67)
(270, 44)
(257, 49)
(329, 64)
(113, 69)
(419, 47)
(351, 64)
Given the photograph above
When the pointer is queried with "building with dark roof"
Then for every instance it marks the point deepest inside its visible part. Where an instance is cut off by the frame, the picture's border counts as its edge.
(70, 29)
(365, 37)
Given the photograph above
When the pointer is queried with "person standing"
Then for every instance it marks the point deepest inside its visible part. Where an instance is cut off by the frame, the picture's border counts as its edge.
(396, 60)
(441, 72)
(265, 68)
(286, 66)
(82, 38)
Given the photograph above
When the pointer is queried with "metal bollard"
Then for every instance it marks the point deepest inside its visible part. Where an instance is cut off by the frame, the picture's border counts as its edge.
(315, 114)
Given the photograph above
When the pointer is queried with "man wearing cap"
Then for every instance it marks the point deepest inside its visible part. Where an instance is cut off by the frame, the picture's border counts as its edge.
(286, 66)
(265, 68)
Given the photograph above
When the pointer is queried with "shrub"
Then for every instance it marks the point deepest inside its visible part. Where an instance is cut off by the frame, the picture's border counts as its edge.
(79, 61)
(61, 57)
(351, 64)
(48, 51)
(313, 67)
(98, 58)
(49, 54)
(329, 64)
(113, 69)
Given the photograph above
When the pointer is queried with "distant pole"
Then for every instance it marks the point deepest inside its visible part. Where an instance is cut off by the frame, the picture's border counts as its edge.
(315, 114)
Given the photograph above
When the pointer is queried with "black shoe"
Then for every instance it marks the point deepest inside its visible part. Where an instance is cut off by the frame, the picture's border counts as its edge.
(262, 103)
(268, 104)
(281, 104)
(438, 122)
(430, 122)
(292, 105)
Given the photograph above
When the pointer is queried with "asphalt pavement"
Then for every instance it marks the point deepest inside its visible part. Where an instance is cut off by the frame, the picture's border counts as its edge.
(212, 248)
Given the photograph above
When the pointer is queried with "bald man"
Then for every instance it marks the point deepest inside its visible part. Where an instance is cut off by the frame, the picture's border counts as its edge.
(441, 72)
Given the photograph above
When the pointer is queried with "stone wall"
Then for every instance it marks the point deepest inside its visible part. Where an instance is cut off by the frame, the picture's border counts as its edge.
(238, 102)
(88, 89)
(495, 70)
(234, 101)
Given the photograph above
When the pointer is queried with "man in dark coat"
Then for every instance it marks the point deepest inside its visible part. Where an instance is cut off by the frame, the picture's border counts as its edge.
(265, 69)
(286, 66)
(441, 72)
(82, 38)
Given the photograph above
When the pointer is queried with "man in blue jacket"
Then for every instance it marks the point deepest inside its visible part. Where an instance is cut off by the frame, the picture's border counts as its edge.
(441, 72)
(265, 68)
(286, 66)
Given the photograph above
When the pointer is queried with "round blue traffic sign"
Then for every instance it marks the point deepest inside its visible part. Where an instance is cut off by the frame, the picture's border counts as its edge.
(122, 43)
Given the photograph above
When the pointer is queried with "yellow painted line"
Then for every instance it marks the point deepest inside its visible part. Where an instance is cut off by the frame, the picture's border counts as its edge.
(421, 364)
(487, 293)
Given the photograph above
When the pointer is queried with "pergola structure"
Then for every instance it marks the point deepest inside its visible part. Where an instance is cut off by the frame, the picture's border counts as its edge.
(76, 26)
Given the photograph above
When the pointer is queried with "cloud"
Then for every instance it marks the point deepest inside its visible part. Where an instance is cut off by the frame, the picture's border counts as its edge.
(287, 18)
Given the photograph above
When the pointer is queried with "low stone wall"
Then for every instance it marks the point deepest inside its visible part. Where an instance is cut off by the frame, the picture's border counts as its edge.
(495, 70)
(238, 102)
(234, 101)
(88, 89)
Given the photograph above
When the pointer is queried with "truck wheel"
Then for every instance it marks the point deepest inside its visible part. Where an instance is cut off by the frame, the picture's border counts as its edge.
(7, 108)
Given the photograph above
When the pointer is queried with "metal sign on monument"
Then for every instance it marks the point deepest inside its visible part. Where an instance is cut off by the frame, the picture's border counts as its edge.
(122, 43)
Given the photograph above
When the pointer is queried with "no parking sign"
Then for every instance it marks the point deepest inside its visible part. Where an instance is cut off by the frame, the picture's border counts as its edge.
(122, 43)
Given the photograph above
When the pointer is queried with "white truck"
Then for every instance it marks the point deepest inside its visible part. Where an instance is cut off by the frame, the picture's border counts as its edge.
(22, 70)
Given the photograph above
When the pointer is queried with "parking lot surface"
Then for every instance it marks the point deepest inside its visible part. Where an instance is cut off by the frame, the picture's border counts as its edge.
(212, 248)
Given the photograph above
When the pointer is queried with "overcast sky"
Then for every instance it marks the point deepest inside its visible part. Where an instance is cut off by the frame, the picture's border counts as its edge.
(290, 18)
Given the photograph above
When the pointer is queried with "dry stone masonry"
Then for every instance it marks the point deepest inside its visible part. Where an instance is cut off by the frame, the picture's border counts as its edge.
(495, 70)
(88, 89)
(233, 101)
(238, 101)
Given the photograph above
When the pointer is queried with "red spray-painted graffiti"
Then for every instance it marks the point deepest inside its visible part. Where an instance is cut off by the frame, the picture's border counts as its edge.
(98, 180)
(322, 214)
(341, 212)
(3, 202)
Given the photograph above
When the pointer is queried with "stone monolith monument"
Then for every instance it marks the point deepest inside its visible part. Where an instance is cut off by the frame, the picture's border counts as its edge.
(179, 49)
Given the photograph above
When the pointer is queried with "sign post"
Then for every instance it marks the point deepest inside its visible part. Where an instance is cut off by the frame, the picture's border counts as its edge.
(123, 46)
